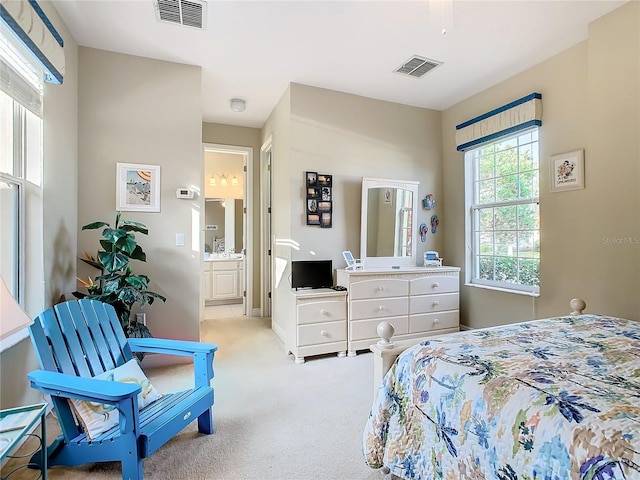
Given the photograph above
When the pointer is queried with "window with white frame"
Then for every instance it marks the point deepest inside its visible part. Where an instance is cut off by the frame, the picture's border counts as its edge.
(503, 216)
(21, 126)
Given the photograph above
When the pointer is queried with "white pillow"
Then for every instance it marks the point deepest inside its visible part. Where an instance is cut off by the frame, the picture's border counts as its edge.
(97, 418)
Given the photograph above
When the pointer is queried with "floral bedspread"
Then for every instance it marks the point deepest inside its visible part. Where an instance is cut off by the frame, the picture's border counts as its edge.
(549, 399)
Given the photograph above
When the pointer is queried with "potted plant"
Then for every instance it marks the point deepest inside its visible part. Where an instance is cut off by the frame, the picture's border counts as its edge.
(119, 286)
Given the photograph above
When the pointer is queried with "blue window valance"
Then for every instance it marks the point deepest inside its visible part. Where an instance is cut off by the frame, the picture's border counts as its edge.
(31, 25)
(518, 115)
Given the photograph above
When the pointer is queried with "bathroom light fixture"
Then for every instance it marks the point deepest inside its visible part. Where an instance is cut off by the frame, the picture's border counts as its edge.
(234, 180)
(212, 181)
(237, 104)
(223, 180)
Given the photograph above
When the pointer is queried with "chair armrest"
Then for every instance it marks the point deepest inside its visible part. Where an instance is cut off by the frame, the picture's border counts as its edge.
(69, 386)
(172, 347)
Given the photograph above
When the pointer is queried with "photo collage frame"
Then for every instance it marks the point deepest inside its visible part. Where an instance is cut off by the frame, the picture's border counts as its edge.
(319, 199)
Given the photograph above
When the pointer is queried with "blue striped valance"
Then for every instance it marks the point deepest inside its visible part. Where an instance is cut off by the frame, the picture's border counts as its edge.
(510, 118)
(31, 25)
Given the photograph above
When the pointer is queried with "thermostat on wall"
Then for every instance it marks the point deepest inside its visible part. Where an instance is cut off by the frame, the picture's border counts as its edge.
(184, 192)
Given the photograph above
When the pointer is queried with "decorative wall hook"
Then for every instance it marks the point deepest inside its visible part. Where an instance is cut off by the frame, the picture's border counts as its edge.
(428, 202)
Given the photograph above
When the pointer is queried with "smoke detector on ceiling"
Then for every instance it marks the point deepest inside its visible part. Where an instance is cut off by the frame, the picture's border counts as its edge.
(417, 66)
(190, 13)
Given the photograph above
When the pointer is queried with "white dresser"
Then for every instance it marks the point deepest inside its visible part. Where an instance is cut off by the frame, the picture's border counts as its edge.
(320, 323)
(418, 301)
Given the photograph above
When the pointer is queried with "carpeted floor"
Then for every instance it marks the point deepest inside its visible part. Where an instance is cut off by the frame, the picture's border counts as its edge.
(273, 419)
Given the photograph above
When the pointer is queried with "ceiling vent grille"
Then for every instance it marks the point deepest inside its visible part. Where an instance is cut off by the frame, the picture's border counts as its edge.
(191, 13)
(417, 66)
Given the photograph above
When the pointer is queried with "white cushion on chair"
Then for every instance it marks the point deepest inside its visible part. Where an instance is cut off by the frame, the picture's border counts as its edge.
(97, 418)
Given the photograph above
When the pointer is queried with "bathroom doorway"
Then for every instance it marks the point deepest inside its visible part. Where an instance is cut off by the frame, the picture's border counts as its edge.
(226, 264)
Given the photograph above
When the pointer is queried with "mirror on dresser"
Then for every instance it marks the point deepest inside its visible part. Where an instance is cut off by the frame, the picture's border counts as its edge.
(389, 231)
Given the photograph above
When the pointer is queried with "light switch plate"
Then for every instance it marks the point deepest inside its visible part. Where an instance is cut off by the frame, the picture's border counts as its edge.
(179, 239)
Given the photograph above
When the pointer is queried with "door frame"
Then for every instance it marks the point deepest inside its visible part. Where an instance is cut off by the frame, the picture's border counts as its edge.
(266, 236)
(247, 217)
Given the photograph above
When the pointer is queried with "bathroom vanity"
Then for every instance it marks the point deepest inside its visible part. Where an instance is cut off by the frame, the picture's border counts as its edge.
(223, 279)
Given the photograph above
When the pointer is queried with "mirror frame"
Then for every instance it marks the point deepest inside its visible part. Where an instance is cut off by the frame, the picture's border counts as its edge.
(381, 262)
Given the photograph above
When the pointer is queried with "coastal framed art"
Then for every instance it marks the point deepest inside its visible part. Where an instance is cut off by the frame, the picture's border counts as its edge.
(567, 171)
(137, 187)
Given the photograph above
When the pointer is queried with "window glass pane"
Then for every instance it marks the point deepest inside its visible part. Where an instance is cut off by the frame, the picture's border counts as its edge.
(485, 244)
(6, 134)
(505, 218)
(507, 188)
(506, 270)
(485, 219)
(33, 148)
(486, 191)
(486, 270)
(9, 228)
(485, 167)
(529, 272)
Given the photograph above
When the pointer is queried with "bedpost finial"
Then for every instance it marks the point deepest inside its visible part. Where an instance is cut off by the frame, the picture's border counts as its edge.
(577, 306)
(385, 332)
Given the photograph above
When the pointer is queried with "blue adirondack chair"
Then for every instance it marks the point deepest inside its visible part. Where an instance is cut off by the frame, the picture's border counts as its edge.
(79, 339)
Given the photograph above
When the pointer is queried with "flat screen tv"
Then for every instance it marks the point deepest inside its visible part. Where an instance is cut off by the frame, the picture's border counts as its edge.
(311, 274)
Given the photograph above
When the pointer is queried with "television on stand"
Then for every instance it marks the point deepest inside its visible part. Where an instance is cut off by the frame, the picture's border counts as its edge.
(311, 274)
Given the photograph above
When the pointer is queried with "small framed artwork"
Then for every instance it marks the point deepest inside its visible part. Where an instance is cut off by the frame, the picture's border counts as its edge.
(324, 180)
(567, 171)
(312, 179)
(312, 205)
(387, 196)
(325, 220)
(313, 219)
(137, 187)
(324, 206)
(326, 193)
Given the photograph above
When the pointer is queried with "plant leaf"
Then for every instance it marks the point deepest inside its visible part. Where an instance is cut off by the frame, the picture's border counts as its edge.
(138, 254)
(131, 226)
(141, 282)
(94, 225)
(113, 261)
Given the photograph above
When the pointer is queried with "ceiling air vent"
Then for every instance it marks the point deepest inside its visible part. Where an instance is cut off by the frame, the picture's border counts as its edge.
(191, 13)
(417, 66)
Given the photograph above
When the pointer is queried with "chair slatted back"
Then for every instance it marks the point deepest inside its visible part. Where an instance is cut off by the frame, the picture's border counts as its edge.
(80, 337)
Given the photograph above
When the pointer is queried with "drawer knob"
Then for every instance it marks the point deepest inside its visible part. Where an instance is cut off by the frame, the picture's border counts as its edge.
(436, 303)
(324, 333)
(381, 288)
(436, 285)
(381, 308)
(323, 311)
(436, 321)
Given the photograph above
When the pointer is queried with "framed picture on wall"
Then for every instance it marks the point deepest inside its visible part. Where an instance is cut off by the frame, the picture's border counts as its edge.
(567, 171)
(312, 179)
(325, 220)
(313, 219)
(137, 187)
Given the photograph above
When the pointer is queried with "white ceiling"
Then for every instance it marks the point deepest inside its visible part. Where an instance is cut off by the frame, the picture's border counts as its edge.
(254, 49)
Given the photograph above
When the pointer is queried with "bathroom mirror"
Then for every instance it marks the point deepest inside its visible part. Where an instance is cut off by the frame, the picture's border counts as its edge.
(225, 215)
(389, 231)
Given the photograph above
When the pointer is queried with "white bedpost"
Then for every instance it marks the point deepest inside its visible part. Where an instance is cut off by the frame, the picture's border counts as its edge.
(384, 353)
(577, 306)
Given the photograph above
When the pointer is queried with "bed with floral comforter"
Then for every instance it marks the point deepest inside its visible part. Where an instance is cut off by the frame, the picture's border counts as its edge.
(549, 399)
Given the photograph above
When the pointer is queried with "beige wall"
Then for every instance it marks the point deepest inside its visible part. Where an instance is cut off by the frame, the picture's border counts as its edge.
(348, 137)
(138, 110)
(60, 191)
(590, 238)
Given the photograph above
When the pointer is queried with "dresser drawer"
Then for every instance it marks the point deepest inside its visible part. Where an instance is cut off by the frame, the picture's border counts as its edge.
(322, 311)
(367, 329)
(379, 308)
(378, 288)
(433, 303)
(317, 333)
(434, 284)
(434, 321)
